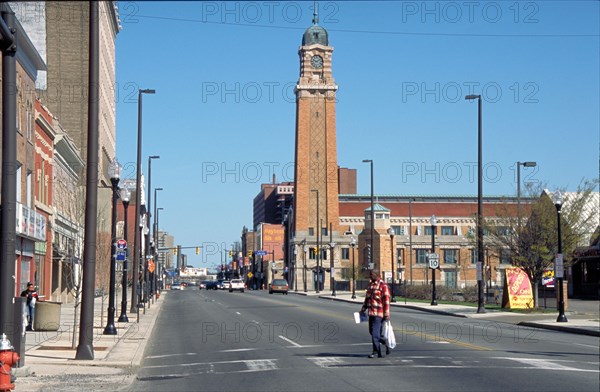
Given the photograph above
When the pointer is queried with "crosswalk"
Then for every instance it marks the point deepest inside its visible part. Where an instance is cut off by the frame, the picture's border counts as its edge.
(183, 369)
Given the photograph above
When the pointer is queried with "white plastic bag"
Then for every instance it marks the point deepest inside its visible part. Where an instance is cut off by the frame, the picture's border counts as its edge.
(388, 334)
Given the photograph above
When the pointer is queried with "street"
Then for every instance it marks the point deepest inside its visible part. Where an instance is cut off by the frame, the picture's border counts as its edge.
(221, 341)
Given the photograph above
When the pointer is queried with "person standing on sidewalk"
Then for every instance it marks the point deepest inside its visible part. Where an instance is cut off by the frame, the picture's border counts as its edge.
(377, 303)
(31, 296)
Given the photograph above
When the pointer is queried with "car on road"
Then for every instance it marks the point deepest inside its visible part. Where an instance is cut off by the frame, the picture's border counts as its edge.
(176, 286)
(236, 284)
(224, 285)
(279, 286)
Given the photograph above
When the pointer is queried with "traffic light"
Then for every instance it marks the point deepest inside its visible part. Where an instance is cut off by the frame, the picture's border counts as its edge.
(175, 251)
(249, 253)
(315, 251)
(230, 253)
(197, 250)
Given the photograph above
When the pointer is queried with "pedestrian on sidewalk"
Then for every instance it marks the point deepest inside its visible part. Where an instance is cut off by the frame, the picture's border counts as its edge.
(377, 303)
(31, 296)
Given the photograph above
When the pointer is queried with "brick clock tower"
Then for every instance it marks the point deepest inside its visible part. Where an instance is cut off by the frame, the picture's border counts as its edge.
(316, 201)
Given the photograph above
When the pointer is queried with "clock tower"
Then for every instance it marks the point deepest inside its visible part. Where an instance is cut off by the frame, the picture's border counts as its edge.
(316, 170)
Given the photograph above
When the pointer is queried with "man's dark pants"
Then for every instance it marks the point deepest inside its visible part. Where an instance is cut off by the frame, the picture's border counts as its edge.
(375, 324)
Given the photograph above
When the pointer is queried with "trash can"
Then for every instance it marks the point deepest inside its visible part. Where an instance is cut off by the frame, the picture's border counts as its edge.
(47, 316)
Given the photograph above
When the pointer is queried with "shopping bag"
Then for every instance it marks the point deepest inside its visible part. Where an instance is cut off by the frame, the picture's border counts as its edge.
(360, 317)
(388, 334)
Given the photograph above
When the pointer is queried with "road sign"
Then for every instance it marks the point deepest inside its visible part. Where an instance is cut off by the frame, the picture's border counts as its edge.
(434, 260)
(250, 275)
(121, 244)
(261, 252)
(121, 255)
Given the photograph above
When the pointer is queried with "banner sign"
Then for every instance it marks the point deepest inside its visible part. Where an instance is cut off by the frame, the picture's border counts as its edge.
(517, 293)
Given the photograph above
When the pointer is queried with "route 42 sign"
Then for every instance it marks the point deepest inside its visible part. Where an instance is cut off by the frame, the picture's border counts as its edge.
(434, 260)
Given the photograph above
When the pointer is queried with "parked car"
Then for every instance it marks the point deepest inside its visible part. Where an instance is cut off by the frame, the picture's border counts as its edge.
(202, 285)
(279, 286)
(236, 284)
(225, 285)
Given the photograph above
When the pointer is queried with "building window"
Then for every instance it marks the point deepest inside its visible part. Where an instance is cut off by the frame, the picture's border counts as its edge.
(399, 230)
(345, 253)
(447, 230)
(428, 230)
(504, 256)
(324, 231)
(311, 231)
(450, 256)
(421, 256)
(450, 277)
(473, 256)
(312, 255)
(399, 255)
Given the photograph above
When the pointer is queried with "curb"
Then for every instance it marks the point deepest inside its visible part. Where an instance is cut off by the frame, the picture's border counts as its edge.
(560, 328)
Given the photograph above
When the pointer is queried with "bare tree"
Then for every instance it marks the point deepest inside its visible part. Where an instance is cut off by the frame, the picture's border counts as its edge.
(532, 241)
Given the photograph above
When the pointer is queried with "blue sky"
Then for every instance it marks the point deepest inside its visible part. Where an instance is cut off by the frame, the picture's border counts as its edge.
(223, 117)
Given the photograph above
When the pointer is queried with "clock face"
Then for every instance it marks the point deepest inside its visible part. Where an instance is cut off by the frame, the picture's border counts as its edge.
(316, 62)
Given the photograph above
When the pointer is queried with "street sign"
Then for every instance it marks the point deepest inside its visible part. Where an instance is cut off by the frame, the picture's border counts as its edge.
(250, 275)
(121, 244)
(558, 266)
(434, 260)
(261, 252)
(121, 254)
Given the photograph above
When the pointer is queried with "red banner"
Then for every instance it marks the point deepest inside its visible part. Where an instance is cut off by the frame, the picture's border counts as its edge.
(517, 290)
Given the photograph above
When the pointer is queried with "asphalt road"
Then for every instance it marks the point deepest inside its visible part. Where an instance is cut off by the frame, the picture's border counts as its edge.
(253, 341)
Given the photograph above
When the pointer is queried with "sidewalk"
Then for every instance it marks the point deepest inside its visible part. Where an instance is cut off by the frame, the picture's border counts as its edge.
(583, 316)
(50, 362)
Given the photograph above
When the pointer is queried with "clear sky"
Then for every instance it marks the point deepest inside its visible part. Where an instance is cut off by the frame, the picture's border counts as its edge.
(223, 117)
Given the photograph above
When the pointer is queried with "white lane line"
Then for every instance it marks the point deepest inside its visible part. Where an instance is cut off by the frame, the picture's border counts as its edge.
(544, 364)
(236, 350)
(203, 363)
(261, 365)
(326, 362)
(169, 355)
(290, 341)
(237, 312)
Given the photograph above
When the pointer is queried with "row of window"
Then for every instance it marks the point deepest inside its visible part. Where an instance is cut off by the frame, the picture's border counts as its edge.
(449, 256)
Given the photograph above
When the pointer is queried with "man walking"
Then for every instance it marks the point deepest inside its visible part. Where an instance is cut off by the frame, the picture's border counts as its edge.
(377, 303)
(31, 296)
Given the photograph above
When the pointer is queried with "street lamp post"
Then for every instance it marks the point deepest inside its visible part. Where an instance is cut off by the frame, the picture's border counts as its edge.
(370, 261)
(332, 265)
(304, 250)
(138, 200)
(433, 222)
(162, 266)
(155, 241)
(125, 195)
(519, 164)
(353, 245)
(295, 263)
(480, 303)
(391, 233)
(318, 271)
(148, 293)
(114, 172)
(558, 263)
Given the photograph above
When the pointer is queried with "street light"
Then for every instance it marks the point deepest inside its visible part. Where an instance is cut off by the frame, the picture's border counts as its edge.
(318, 276)
(371, 264)
(480, 306)
(304, 250)
(162, 265)
(125, 194)
(391, 233)
(138, 200)
(114, 172)
(148, 292)
(332, 265)
(433, 222)
(155, 240)
(558, 263)
(353, 245)
(519, 164)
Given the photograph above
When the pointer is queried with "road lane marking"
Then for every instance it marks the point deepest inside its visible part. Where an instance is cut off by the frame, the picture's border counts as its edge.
(261, 365)
(235, 350)
(169, 355)
(326, 362)
(206, 363)
(290, 341)
(545, 364)
(237, 313)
